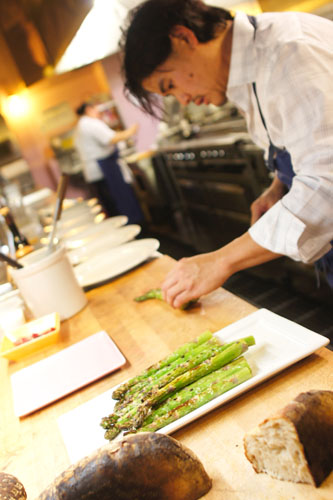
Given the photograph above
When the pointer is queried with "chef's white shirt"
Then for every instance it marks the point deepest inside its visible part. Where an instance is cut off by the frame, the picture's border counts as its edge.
(93, 142)
(291, 60)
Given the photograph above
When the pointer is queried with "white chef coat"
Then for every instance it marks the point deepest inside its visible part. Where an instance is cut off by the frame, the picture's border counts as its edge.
(291, 60)
(93, 142)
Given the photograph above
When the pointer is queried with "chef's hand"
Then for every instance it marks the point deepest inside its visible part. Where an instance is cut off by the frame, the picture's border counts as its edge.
(124, 135)
(268, 198)
(193, 277)
(196, 276)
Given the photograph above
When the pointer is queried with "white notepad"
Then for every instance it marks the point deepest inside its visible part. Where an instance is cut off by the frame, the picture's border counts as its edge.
(64, 372)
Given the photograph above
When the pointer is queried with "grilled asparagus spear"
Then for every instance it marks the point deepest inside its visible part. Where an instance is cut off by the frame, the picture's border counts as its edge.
(156, 293)
(170, 371)
(134, 414)
(191, 397)
(122, 389)
(196, 388)
(188, 377)
(215, 389)
(124, 411)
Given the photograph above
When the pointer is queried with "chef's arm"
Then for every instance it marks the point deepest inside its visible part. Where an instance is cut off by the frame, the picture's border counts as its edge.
(196, 276)
(267, 199)
(123, 135)
(244, 252)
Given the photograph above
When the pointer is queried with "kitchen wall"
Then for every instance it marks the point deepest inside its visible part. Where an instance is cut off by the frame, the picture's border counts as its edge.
(129, 112)
(26, 118)
(30, 123)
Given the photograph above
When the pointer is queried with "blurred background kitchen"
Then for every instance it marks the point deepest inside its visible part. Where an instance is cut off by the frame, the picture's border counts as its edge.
(195, 174)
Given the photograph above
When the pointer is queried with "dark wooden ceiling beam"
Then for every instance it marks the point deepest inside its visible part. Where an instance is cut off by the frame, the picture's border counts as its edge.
(37, 32)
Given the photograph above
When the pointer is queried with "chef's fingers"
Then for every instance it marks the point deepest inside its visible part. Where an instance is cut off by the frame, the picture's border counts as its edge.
(171, 292)
(178, 299)
(182, 298)
(170, 280)
(181, 292)
(175, 276)
(185, 279)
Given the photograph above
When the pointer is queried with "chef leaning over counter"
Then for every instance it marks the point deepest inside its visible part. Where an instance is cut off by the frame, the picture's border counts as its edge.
(277, 68)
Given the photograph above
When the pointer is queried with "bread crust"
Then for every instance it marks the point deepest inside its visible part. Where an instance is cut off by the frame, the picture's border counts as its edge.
(307, 422)
(11, 488)
(148, 466)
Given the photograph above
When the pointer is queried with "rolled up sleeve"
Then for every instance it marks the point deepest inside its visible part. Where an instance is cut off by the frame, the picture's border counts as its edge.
(300, 108)
(280, 231)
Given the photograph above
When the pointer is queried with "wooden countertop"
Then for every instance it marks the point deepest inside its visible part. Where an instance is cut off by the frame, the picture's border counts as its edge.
(32, 449)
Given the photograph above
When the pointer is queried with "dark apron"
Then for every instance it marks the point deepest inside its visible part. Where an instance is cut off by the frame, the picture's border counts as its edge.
(121, 192)
(279, 161)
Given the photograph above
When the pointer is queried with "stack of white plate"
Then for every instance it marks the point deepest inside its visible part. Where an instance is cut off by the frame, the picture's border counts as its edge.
(103, 242)
(116, 261)
(100, 249)
(85, 234)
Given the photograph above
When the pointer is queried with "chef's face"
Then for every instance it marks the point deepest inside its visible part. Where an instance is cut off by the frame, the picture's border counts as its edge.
(194, 72)
(93, 111)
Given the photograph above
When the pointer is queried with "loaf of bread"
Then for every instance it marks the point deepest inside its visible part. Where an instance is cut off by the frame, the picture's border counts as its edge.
(297, 443)
(11, 488)
(148, 466)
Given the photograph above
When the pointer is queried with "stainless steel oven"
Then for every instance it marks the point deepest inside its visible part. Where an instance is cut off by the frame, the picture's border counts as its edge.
(209, 186)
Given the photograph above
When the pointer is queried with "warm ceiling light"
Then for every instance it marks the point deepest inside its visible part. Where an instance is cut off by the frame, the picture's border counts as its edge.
(97, 37)
(16, 106)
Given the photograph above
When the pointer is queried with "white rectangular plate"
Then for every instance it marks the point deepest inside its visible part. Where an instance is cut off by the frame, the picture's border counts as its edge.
(279, 344)
(66, 371)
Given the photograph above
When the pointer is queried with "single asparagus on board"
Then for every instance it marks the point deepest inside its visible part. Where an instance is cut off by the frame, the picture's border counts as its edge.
(156, 293)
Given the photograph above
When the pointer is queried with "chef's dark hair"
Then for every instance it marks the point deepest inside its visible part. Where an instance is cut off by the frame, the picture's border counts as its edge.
(146, 43)
(82, 108)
